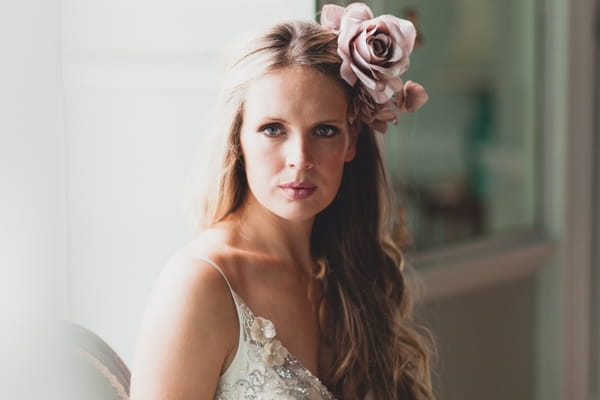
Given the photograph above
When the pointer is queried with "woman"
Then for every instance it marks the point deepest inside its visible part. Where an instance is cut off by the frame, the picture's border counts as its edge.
(293, 274)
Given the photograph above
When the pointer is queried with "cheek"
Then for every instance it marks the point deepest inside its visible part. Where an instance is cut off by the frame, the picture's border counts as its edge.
(253, 145)
(335, 155)
(335, 162)
(333, 167)
(259, 161)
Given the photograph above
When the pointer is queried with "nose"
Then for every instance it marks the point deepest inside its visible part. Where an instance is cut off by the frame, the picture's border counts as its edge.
(300, 153)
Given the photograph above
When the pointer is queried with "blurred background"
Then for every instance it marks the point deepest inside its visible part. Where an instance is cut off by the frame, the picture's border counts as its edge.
(103, 104)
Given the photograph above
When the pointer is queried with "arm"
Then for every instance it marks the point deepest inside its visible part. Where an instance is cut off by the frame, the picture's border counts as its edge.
(189, 329)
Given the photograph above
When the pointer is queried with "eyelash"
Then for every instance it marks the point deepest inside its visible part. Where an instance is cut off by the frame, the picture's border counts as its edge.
(276, 126)
(332, 130)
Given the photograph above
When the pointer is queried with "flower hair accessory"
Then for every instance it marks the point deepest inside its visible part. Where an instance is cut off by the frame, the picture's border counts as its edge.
(374, 53)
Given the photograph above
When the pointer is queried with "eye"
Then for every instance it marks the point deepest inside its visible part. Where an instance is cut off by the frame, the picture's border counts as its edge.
(326, 131)
(271, 130)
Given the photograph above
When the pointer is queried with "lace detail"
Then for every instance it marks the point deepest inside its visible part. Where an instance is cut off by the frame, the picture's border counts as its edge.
(269, 372)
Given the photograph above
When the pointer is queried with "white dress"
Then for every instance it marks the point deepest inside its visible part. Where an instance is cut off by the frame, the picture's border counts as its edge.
(262, 368)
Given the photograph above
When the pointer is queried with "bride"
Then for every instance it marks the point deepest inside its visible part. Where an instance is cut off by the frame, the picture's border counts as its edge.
(292, 287)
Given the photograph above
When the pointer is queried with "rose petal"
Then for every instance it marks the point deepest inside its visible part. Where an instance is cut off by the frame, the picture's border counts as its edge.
(402, 33)
(396, 84)
(397, 54)
(388, 91)
(362, 47)
(415, 96)
(379, 47)
(358, 11)
(349, 30)
(331, 16)
(346, 71)
(366, 80)
(383, 73)
(361, 60)
(381, 94)
(401, 30)
(379, 26)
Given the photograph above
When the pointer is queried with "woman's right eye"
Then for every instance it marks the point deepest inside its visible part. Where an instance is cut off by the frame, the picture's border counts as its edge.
(271, 130)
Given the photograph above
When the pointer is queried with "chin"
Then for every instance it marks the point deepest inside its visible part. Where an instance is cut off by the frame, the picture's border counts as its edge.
(300, 212)
(295, 216)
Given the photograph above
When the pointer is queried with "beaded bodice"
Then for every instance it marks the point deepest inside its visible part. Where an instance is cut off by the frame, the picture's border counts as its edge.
(262, 368)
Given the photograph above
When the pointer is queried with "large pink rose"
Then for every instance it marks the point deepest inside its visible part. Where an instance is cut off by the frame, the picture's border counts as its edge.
(374, 51)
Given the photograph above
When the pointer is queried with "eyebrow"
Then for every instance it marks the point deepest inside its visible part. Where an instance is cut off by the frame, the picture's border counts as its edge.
(331, 121)
(325, 121)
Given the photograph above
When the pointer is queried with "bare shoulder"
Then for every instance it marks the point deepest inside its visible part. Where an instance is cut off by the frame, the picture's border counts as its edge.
(217, 244)
(214, 242)
(188, 333)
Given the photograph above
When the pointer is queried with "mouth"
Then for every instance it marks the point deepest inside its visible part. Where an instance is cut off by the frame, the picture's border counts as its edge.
(298, 190)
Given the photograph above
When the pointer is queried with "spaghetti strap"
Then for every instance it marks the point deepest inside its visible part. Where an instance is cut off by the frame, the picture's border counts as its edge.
(237, 360)
(214, 264)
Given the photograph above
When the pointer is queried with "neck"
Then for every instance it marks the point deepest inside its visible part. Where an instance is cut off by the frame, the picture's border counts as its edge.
(263, 231)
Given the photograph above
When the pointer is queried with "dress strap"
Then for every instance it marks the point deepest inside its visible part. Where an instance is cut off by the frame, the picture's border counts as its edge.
(214, 264)
(237, 363)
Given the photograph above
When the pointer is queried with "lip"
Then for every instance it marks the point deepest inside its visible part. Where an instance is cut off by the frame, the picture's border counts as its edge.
(298, 190)
(297, 185)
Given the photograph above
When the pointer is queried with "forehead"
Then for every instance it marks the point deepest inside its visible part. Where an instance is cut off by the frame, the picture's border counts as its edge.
(298, 92)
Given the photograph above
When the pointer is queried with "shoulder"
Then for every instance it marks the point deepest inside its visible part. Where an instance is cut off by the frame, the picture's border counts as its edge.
(220, 246)
(189, 275)
(190, 324)
(213, 243)
(191, 282)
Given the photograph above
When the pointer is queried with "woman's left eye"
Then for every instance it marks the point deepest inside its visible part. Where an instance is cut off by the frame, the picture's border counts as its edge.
(326, 130)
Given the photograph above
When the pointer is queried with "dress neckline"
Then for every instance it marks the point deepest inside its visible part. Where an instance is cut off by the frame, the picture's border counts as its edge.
(321, 386)
(239, 302)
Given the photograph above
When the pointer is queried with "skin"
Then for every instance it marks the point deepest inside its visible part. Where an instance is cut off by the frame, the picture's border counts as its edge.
(295, 130)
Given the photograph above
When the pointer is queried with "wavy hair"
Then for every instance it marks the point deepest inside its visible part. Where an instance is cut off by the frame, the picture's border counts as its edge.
(365, 312)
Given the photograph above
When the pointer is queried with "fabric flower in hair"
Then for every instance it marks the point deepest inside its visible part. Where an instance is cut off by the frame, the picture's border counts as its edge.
(262, 330)
(375, 115)
(374, 53)
(412, 97)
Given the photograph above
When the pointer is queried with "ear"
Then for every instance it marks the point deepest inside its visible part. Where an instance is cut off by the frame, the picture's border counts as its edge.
(351, 150)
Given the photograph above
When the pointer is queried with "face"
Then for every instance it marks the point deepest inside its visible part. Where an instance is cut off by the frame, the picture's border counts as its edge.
(295, 140)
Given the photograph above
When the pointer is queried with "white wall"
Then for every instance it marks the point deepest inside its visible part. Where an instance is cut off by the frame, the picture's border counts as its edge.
(33, 268)
(32, 195)
(140, 78)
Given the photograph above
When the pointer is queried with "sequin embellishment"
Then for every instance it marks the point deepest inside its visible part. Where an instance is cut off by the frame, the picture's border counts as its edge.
(271, 372)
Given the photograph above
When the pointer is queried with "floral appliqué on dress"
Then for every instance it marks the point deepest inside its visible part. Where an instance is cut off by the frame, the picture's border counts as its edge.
(270, 371)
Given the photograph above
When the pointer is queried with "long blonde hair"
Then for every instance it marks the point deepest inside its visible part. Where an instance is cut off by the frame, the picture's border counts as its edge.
(365, 313)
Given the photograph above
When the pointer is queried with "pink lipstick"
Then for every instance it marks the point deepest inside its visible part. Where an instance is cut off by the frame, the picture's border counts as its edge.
(298, 190)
